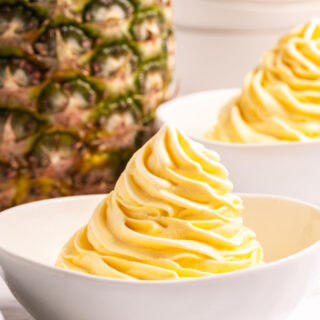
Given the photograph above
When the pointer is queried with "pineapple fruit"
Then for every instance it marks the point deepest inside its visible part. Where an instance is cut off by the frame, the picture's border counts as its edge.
(79, 83)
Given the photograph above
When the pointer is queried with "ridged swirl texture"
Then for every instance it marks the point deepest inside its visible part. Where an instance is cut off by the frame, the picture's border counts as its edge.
(280, 100)
(170, 216)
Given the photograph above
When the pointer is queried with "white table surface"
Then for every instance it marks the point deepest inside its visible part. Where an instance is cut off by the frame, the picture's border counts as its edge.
(10, 309)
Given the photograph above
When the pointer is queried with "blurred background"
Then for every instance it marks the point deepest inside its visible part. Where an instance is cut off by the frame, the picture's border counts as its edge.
(219, 41)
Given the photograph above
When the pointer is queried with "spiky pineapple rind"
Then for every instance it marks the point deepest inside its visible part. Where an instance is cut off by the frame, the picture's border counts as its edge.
(88, 75)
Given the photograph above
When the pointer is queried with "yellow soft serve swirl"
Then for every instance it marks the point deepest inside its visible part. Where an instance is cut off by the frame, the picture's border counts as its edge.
(170, 216)
(280, 100)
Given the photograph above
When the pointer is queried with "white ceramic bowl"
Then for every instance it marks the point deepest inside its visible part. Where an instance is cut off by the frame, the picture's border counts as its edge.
(32, 235)
(290, 168)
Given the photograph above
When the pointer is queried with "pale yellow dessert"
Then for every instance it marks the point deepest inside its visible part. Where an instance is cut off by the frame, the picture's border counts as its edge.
(280, 100)
(170, 216)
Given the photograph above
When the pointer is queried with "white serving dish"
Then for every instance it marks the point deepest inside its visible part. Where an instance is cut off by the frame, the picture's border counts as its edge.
(290, 168)
(218, 41)
(32, 235)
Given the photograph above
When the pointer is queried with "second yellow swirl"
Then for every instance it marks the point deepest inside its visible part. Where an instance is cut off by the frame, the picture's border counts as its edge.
(280, 100)
(170, 216)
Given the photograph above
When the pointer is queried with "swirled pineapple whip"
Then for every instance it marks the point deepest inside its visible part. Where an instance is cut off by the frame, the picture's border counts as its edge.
(170, 216)
(280, 100)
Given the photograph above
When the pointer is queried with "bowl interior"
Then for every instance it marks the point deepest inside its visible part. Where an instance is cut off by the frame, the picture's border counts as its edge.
(283, 226)
(38, 231)
(200, 111)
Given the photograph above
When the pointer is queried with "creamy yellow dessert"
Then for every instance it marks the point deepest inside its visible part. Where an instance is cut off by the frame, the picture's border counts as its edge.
(170, 216)
(280, 100)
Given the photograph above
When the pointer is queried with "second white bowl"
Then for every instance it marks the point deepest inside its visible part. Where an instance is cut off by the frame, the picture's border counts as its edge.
(289, 168)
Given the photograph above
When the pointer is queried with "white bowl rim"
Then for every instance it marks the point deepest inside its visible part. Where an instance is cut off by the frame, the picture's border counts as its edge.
(234, 92)
(143, 283)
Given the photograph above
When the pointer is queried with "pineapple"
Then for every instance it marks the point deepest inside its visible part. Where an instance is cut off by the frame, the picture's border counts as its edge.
(79, 83)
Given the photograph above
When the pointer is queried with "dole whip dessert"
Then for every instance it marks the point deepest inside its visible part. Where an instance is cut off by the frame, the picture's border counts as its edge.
(170, 216)
(280, 100)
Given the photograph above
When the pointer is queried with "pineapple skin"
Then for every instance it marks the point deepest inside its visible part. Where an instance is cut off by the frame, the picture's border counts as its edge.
(79, 83)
